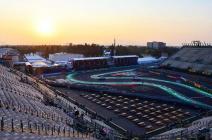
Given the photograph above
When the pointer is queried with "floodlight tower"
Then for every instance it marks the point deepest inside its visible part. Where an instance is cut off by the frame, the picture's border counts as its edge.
(114, 47)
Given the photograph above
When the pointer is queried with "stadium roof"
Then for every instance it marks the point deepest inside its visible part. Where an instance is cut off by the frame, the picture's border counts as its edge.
(91, 58)
(34, 58)
(39, 64)
(125, 56)
(148, 59)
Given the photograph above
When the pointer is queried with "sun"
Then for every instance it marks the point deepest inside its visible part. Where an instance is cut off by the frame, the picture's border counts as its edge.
(45, 27)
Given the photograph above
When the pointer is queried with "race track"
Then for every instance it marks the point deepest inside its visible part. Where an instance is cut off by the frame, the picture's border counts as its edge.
(176, 90)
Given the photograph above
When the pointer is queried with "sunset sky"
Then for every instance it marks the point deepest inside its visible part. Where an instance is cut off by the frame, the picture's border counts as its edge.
(99, 21)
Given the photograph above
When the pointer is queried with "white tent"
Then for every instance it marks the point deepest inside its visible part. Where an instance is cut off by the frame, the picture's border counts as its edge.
(147, 60)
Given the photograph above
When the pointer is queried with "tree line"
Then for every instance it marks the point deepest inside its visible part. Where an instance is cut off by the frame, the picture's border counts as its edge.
(93, 50)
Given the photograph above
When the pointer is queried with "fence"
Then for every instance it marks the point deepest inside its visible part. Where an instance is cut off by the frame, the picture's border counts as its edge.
(41, 129)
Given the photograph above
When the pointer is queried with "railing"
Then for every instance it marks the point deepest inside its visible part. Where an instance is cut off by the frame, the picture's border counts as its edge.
(29, 111)
(41, 129)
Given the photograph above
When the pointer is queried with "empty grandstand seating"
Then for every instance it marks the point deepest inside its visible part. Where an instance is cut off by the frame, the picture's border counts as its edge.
(25, 111)
(197, 128)
(25, 136)
(193, 59)
(23, 108)
(150, 115)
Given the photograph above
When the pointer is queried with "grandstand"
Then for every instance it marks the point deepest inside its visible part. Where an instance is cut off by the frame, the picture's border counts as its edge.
(30, 110)
(196, 59)
(198, 129)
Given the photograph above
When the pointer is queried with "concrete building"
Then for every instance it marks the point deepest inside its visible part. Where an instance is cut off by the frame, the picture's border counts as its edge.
(64, 57)
(9, 56)
(156, 45)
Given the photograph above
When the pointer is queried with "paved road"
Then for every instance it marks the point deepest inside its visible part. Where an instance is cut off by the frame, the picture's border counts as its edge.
(178, 91)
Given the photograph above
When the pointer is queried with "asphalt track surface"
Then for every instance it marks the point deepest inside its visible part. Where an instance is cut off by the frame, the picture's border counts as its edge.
(173, 90)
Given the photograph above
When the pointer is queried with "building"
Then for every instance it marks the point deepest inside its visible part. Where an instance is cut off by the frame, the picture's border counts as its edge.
(126, 60)
(103, 62)
(89, 63)
(156, 45)
(31, 58)
(64, 57)
(149, 60)
(9, 56)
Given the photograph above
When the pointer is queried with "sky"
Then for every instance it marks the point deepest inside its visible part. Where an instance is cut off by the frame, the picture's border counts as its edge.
(100, 21)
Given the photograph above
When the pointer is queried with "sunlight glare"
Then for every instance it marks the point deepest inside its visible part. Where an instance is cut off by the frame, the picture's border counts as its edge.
(45, 27)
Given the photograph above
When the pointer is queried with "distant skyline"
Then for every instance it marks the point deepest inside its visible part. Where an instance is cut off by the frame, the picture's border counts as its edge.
(131, 22)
